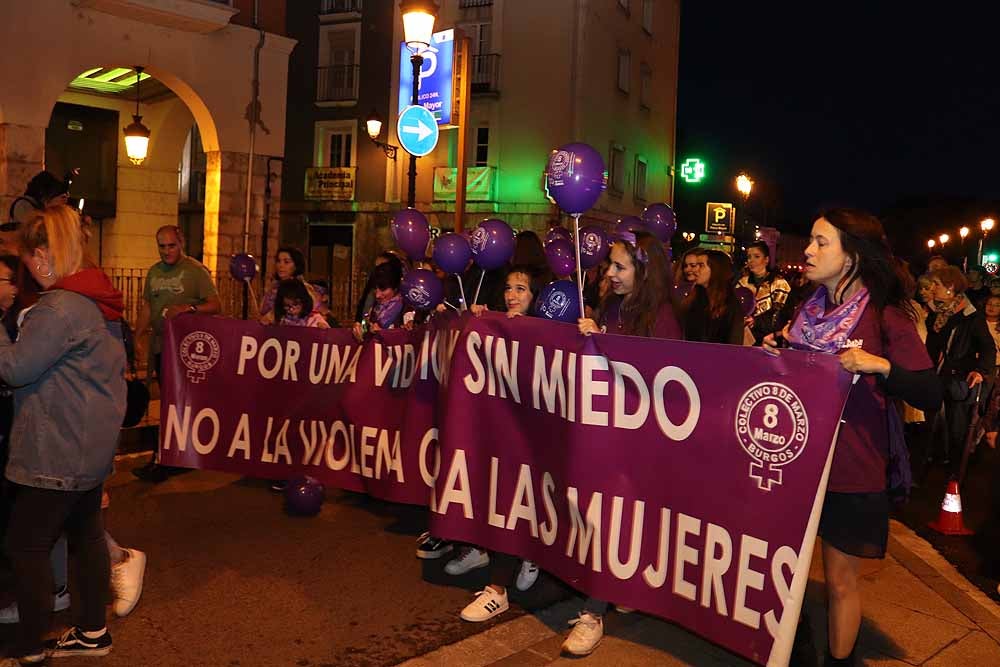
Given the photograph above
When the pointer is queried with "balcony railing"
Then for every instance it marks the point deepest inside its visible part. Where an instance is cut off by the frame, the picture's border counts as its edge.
(340, 7)
(463, 4)
(337, 83)
(486, 73)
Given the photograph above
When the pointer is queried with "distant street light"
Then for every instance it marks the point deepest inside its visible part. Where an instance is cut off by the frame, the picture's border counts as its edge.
(931, 243)
(963, 232)
(744, 184)
(986, 224)
(943, 239)
(137, 134)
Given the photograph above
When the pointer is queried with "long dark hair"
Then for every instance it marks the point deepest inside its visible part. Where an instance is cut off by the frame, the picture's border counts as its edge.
(720, 285)
(298, 259)
(638, 310)
(296, 290)
(864, 241)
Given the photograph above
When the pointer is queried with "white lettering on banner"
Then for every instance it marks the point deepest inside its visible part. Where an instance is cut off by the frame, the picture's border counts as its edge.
(589, 388)
(684, 554)
(241, 439)
(430, 475)
(686, 428)
(618, 568)
(180, 428)
(523, 505)
(474, 384)
(550, 528)
(700, 568)
(331, 460)
(496, 370)
(587, 535)
(328, 363)
(549, 386)
(456, 488)
(623, 419)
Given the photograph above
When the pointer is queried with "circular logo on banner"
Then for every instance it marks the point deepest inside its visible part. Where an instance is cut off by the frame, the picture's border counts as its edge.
(199, 352)
(773, 428)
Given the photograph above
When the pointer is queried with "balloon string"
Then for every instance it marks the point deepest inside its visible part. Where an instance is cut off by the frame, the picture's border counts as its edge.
(461, 289)
(579, 268)
(482, 275)
(449, 304)
(253, 297)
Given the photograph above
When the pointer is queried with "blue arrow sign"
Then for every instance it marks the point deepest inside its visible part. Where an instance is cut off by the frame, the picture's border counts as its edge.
(417, 131)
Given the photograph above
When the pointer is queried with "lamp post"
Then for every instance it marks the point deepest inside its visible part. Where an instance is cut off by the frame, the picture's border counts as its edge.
(418, 27)
(373, 124)
(943, 239)
(964, 232)
(930, 245)
(986, 225)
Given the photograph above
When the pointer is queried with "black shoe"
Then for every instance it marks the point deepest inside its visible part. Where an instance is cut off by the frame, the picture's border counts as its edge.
(830, 661)
(430, 547)
(73, 642)
(279, 485)
(152, 472)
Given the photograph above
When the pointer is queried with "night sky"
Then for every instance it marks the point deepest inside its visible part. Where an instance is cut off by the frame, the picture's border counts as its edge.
(880, 105)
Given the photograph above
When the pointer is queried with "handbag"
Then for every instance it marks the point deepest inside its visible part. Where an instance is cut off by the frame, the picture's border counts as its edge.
(136, 391)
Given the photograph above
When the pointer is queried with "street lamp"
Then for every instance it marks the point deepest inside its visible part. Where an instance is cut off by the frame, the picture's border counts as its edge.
(374, 126)
(418, 27)
(931, 243)
(688, 236)
(986, 224)
(137, 134)
(943, 239)
(744, 184)
(963, 232)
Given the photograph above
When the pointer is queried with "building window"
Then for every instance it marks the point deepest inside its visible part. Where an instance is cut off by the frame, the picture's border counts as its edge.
(338, 66)
(645, 85)
(335, 143)
(640, 178)
(647, 16)
(616, 171)
(624, 68)
(624, 4)
(482, 146)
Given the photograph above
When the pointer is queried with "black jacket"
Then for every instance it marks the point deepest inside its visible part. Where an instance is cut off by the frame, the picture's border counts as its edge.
(963, 345)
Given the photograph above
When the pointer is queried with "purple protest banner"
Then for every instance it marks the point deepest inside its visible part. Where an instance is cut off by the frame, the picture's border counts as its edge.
(279, 402)
(683, 479)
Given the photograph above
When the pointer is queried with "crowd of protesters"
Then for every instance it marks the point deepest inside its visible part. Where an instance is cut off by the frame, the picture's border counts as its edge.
(929, 345)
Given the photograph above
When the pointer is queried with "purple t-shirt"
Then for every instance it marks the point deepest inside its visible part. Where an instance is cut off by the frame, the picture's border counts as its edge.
(666, 322)
(862, 455)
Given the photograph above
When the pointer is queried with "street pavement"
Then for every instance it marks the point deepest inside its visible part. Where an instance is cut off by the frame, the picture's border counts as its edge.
(233, 581)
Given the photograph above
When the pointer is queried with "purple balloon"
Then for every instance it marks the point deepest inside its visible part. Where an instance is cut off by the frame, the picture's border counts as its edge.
(304, 496)
(629, 223)
(660, 221)
(421, 289)
(558, 233)
(747, 300)
(243, 266)
(492, 244)
(561, 257)
(452, 253)
(575, 177)
(594, 246)
(682, 290)
(411, 231)
(559, 301)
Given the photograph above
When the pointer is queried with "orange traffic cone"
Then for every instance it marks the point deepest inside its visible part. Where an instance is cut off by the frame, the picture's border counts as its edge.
(949, 521)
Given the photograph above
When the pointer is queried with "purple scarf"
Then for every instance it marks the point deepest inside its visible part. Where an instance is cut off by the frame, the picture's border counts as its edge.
(815, 329)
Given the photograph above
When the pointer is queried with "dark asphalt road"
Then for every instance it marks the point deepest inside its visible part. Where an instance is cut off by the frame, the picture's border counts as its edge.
(233, 581)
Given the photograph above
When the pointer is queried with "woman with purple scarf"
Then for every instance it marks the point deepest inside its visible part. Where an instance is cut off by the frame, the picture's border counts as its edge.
(860, 312)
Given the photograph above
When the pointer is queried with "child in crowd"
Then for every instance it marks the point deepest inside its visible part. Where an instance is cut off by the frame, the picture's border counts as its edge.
(387, 313)
(294, 306)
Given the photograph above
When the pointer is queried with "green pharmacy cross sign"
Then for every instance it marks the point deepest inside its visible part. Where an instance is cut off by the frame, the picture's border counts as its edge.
(693, 170)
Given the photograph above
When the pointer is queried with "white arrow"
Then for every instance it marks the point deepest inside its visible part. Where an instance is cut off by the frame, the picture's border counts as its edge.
(421, 130)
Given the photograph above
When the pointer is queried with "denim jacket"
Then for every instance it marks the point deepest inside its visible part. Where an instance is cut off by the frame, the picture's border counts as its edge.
(67, 371)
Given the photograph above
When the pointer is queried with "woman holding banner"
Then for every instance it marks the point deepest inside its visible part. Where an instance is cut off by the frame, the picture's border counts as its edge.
(637, 305)
(860, 311)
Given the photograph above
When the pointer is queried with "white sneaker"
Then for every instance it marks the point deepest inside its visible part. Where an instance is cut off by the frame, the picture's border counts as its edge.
(586, 635)
(9, 615)
(126, 581)
(526, 576)
(469, 558)
(488, 603)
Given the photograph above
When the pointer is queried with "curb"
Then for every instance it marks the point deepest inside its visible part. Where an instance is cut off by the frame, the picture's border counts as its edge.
(919, 557)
